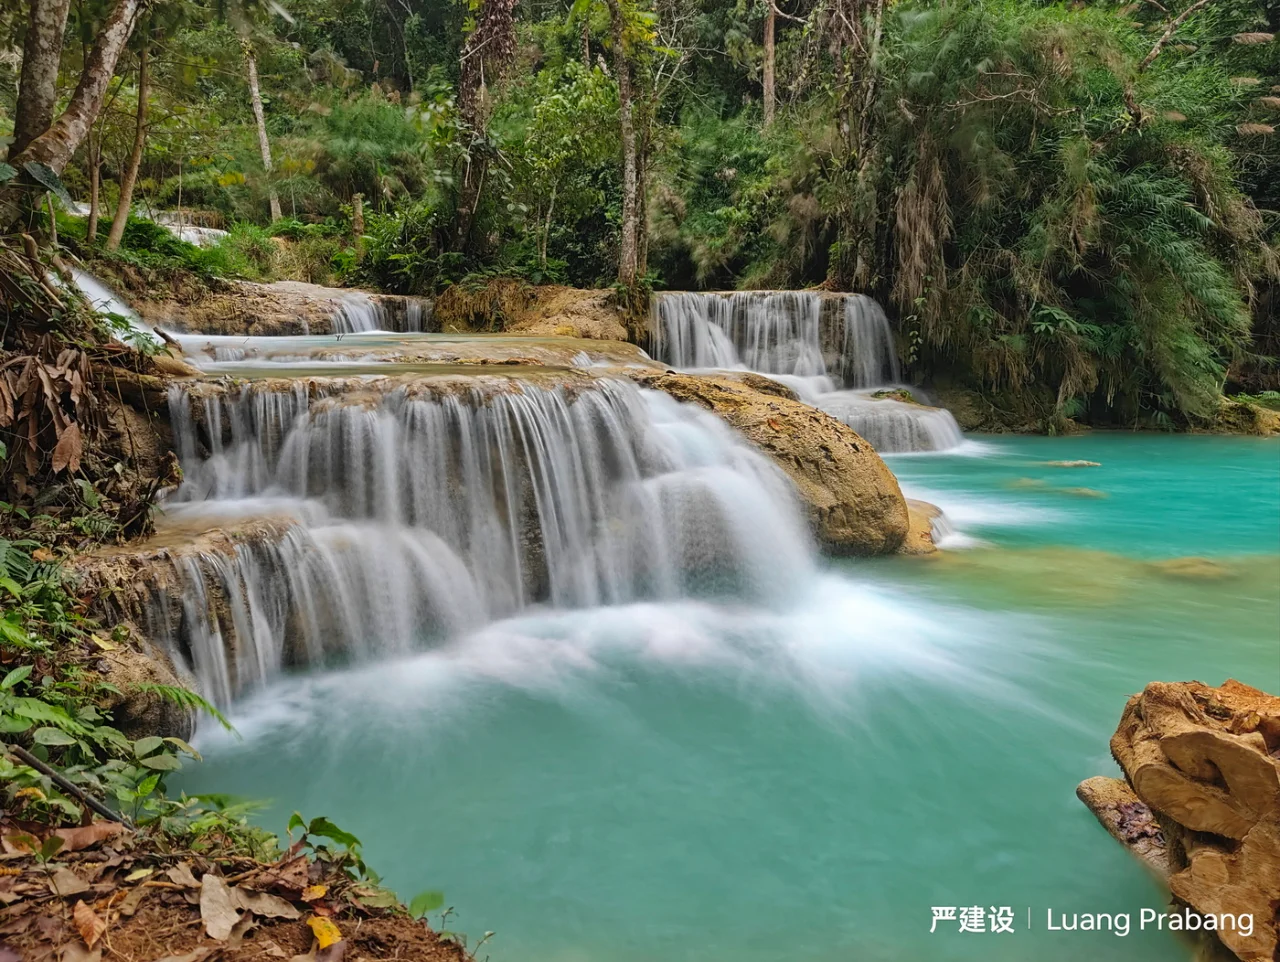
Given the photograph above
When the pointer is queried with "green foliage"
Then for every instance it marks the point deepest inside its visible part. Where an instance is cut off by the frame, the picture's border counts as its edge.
(53, 710)
(1032, 232)
(404, 252)
(247, 251)
(1046, 217)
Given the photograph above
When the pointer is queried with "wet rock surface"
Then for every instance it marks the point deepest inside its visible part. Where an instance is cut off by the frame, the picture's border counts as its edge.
(853, 501)
(1200, 803)
(282, 308)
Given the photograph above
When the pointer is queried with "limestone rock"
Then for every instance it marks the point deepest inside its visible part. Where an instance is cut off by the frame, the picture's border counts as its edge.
(1206, 762)
(853, 501)
(141, 713)
(1245, 417)
(919, 540)
(1128, 818)
(248, 308)
(513, 306)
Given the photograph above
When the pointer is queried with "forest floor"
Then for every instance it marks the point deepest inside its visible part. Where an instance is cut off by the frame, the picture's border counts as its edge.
(109, 893)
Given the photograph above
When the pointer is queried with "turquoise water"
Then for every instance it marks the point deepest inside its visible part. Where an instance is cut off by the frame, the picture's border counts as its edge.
(694, 782)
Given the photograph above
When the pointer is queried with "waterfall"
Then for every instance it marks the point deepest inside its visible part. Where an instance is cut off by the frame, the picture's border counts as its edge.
(833, 350)
(420, 510)
(417, 311)
(199, 236)
(104, 301)
(893, 426)
(357, 312)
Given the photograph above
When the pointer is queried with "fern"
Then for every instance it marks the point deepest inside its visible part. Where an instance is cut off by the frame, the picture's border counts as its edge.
(187, 699)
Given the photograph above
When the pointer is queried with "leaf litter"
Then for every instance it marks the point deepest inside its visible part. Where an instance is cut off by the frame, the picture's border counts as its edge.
(109, 891)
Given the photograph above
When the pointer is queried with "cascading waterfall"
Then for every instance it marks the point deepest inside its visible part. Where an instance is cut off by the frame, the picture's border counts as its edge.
(104, 301)
(357, 313)
(892, 426)
(834, 350)
(418, 514)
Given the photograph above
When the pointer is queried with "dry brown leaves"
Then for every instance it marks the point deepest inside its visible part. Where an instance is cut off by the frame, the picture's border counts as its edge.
(48, 405)
(106, 882)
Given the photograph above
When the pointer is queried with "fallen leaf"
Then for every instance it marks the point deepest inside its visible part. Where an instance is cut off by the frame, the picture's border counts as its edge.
(66, 882)
(180, 874)
(76, 839)
(88, 924)
(103, 643)
(217, 907)
(53, 930)
(289, 876)
(376, 898)
(42, 555)
(79, 952)
(19, 844)
(270, 906)
(8, 955)
(138, 873)
(268, 948)
(326, 932)
(133, 900)
(313, 893)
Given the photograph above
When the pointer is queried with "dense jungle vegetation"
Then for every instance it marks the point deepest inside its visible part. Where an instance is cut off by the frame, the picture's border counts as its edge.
(1074, 205)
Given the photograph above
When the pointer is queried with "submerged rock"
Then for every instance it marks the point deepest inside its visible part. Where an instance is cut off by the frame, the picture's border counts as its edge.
(1205, 763)
(853, 500)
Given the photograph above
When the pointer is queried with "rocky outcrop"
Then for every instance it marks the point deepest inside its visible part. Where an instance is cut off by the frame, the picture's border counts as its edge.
(1245, 417)
(854, 504)
(282, 308)
(137, 710)
(919, 539)
(1200, 803)
(515, 307)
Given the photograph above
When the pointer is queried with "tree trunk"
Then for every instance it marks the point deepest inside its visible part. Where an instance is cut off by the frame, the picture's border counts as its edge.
(129, 176)
(95, 186)
(38, 86)
(770, 26)
(546, 229)
(56, 145)
(627, 250)
(586, 41)
(255, 95)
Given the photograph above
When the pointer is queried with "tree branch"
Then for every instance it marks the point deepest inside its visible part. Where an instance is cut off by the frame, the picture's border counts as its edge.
(1169, 31)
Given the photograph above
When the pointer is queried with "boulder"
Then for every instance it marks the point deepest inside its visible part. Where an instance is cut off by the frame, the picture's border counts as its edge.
(919, 540)
(853, 501)
(1205, 763)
